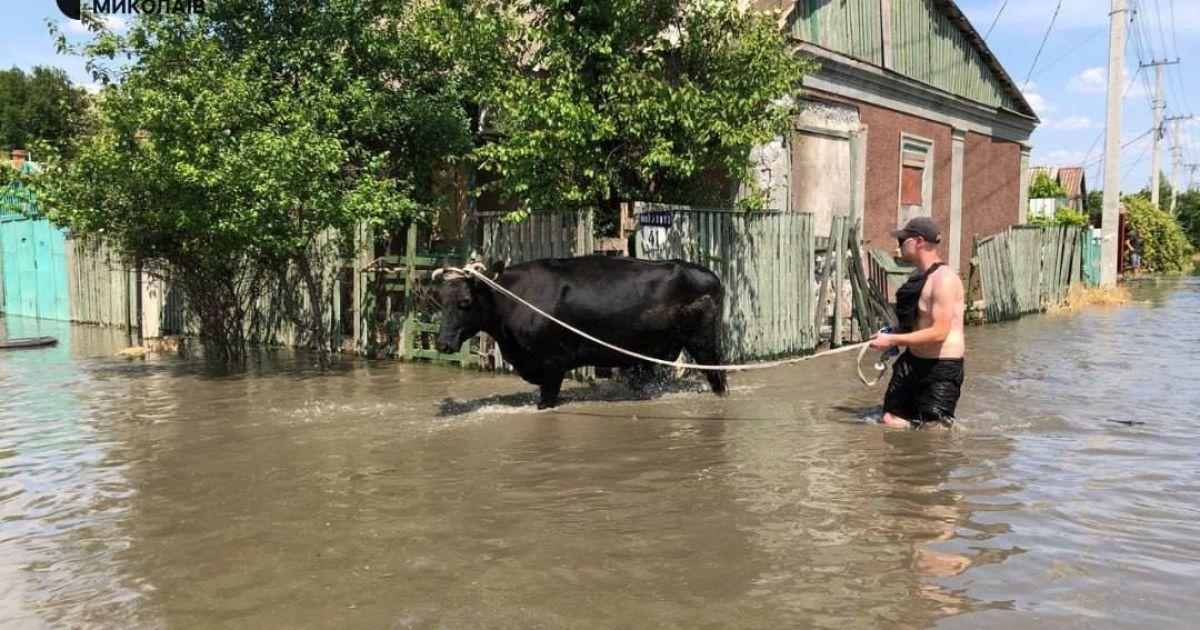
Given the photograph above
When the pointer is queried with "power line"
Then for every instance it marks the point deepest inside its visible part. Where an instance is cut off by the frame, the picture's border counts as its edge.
(1100, 135)
(1136, 162)
(1045, 37)
(1158, 16)
(1126, 145)
(1178, 74)
(994, 20)
(1174, 31)
(1085, 40)
(1139, 39)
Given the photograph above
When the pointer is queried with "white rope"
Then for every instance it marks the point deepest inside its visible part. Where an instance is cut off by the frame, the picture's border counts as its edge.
(862, 346)
(881, 367)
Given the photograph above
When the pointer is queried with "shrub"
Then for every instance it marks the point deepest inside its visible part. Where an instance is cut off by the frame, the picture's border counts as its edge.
(1165, 248)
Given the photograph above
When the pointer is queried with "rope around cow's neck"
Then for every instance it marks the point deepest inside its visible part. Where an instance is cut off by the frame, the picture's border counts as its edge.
(862, 346)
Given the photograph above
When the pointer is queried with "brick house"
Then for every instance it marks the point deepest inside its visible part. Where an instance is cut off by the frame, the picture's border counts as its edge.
(909, 114)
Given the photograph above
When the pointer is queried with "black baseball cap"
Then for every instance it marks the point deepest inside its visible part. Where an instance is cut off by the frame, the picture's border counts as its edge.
(924, 227)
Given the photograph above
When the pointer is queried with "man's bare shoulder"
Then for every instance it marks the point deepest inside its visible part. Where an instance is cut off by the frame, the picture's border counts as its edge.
(945, 280)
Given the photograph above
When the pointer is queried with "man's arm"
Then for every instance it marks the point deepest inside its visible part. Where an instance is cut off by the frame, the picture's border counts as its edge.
(943, 296)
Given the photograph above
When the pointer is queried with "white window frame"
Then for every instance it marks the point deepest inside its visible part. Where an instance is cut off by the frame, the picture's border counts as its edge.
(927, 146)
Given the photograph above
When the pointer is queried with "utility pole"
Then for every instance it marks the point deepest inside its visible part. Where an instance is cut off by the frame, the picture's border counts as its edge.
(1159, 106)
(1118, 15)
(1191, 175)
(1177, 160)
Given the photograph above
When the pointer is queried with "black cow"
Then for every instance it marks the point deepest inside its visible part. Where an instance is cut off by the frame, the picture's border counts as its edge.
(652, 308)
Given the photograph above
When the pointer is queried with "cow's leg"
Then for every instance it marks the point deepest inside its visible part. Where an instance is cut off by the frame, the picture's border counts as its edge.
(705, 345)
(550, 386)
(639, 375)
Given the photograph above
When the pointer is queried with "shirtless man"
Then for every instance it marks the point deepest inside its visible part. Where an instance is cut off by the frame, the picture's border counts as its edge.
(927, 378)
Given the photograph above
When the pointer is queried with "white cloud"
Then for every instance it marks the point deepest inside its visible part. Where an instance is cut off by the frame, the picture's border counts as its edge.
(1070, 123)
(92, 88)
(1090, 81)
(114, 22)
(1036, 100)
(1059, 157)
(1095, 81)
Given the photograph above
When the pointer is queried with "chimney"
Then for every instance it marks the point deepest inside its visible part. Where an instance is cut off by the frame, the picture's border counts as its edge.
(18, 158)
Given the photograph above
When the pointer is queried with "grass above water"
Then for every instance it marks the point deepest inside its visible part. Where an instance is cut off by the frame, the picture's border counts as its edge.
(1080, 297)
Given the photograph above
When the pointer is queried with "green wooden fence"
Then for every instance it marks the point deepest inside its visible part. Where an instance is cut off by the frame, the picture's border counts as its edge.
(541, 235)
(764, 260)
(1025, 269)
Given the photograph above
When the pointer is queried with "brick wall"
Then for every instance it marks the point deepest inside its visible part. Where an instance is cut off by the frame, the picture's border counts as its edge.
(991, 188)
(991, 178)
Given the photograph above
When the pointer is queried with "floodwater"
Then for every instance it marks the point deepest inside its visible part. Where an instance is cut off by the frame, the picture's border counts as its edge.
(158, 493)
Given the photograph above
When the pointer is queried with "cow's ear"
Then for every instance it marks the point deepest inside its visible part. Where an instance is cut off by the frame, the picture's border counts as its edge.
(496, 268)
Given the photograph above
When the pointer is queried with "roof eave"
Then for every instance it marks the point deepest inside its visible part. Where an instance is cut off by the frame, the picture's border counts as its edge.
(1010, 87)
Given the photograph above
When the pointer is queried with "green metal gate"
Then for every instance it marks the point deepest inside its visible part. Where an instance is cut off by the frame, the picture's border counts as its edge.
(1091, 257)
(33, 264)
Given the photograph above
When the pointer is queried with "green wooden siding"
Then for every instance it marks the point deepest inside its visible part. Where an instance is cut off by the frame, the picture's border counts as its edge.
(853, 27)
(926, 44)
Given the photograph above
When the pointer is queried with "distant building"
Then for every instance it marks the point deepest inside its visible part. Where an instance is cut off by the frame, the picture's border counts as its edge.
(1072, 179)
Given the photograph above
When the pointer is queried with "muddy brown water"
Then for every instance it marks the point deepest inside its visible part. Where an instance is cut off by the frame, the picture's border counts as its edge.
(160, 493)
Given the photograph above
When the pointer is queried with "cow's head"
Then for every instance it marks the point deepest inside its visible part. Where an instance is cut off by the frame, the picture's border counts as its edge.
(466, 304)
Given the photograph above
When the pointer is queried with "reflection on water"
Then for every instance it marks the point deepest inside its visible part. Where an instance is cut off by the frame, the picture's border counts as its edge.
(161, 493)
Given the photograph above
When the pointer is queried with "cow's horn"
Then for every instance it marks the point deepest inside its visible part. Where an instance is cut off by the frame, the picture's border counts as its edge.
(475, 266)
(437, 273)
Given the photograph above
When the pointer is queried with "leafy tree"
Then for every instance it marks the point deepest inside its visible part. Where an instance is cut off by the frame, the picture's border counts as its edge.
(41, 106)
(239, 149)
(657, 100)
(1187, 212)
(1044, 187)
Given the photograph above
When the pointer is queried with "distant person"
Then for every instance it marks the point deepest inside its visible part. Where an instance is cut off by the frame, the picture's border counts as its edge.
(927, 378)
(1133, 243)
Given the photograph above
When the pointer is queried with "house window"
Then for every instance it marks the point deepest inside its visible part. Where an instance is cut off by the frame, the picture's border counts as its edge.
(916, 179)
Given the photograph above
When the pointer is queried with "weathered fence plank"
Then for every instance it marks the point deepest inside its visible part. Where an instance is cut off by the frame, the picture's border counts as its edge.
(765, 262)
(1025, 269)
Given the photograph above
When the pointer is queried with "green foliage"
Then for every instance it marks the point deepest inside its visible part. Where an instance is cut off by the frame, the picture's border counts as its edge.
(1165, 248)
(238, 141)
(1063, 215)
(39, 107)
(1187, 212)
(1044, 187)
(656, 100)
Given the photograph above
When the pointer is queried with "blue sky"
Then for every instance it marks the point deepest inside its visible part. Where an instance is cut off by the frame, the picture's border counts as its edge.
(1066, 86)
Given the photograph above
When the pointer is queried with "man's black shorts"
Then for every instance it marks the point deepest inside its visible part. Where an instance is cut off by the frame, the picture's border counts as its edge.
(924, 390)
